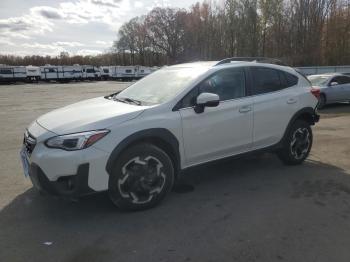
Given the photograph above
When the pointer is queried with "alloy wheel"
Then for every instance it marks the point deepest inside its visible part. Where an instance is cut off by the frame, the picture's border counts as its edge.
(142, 179)
(300, 144)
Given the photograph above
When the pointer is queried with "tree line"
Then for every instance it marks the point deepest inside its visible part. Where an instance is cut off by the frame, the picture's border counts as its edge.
(299, 32)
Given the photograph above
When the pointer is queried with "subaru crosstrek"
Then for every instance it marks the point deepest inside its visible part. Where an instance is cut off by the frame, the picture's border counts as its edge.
(135, 143)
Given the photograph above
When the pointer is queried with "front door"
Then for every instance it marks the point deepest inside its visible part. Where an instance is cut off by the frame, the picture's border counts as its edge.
(219, 131)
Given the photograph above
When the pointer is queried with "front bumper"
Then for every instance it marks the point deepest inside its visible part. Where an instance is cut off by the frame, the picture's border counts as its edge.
(60, 172)
(66, 186)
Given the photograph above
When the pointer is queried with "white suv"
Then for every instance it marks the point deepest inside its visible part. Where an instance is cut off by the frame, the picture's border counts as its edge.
(136, 142)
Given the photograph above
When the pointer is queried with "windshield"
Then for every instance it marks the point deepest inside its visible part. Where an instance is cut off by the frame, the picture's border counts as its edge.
(161, 86)
(318, 80)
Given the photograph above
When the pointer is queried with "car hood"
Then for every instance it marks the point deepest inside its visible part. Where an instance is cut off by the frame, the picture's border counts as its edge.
(91, 114)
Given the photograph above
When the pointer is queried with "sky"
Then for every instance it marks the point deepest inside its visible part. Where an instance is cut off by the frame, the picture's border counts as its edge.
(80, 27)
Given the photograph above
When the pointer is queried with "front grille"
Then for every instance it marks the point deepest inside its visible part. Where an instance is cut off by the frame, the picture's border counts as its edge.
(29, 142)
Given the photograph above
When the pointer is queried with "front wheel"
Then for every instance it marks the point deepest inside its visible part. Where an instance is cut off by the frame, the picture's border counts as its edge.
(142, 176)
(297, 145)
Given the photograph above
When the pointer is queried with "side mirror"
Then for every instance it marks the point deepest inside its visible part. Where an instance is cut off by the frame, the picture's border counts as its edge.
(206, 100)
(334, 83)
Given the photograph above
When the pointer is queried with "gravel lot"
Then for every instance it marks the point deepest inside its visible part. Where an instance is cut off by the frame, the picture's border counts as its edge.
(251, 209)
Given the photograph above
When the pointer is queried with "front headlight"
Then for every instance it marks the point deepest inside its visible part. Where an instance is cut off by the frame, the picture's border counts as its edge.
(76, 141)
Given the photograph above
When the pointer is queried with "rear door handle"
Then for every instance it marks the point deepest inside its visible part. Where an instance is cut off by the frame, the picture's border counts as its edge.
(291, 101)
(245, 109)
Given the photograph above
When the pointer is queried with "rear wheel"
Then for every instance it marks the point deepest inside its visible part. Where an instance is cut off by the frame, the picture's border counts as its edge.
(297, 144)
(141, 177)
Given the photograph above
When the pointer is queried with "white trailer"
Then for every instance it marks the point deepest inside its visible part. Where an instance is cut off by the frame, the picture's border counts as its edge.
(51, 73)
(122, 72)
(91, 72)
(126, 73)
(113, 71)
(10, 74)
(33, 73)
(104, 70)
(61, 73)
(129, 72)
(142, 71)
(74, 72)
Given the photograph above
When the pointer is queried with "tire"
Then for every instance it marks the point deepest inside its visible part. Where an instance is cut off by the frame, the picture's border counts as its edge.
(297, 144)
(141, 177)
(322, 101)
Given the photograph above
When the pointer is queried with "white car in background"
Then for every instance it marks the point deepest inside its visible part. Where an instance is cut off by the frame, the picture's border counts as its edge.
(135, 143)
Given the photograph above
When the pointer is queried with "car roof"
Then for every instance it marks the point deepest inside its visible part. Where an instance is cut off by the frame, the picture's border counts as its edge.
(328, 74)
(216, 64)
(208, 64)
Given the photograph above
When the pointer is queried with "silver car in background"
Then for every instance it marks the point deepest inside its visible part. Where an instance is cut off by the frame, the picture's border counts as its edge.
(334, 88)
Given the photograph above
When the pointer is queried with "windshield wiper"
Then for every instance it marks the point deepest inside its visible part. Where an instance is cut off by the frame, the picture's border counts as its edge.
(128, 100)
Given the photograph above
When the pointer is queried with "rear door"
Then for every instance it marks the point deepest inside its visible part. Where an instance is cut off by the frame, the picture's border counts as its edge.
(275, 103)
(219, 131)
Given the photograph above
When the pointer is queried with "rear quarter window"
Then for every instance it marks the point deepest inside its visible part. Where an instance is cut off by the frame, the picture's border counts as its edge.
(291, 80)
(266, 80)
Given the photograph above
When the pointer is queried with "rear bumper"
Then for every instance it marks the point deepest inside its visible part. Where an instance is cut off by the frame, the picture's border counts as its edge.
(315, 116)
(66, 186)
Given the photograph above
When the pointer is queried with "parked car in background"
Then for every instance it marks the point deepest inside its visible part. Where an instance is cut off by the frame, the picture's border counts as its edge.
(135, 143)
(333, 88)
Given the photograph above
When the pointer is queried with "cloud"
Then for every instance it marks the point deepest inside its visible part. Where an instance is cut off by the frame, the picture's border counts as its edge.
(85, 52)
(69, 44)
(48, 12)
(104, 43)
(109, 3)
(43, 46)
(4, 41)
(25, 26)
(39, 19)
(109, 12)
(14, 24)
(138, 4)
(100, 42)
(71, 25)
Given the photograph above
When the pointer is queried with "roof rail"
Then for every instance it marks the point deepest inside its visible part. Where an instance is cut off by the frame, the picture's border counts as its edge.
(266, 60)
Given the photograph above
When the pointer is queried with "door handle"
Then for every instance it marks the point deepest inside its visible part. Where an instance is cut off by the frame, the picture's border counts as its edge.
(245, 109)
(291, 101)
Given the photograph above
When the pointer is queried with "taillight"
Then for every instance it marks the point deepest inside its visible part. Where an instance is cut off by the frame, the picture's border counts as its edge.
(316, 91)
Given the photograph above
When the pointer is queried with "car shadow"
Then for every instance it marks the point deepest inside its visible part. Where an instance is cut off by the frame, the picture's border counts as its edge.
(233, 202)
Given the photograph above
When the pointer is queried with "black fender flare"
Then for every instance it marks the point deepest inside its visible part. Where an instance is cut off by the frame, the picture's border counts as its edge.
(307, 113)
(160, 134)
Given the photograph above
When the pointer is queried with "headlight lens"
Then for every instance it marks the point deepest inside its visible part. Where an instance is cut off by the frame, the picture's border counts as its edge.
(76, 141)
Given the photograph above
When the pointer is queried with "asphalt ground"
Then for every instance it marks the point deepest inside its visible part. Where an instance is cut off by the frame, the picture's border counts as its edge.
(248, 209)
